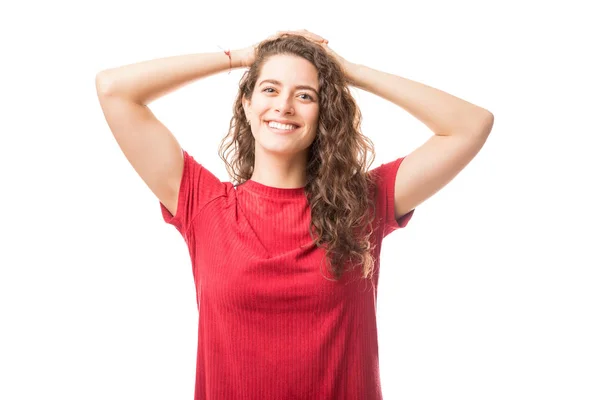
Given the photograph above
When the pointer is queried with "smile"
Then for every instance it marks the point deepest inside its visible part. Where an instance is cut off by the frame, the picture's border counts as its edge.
(280, 131)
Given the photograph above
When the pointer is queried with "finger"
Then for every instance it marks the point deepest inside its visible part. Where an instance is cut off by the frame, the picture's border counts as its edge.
(313, 35)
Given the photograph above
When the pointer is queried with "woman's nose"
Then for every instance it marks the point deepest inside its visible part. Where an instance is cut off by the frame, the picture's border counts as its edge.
(285, 106)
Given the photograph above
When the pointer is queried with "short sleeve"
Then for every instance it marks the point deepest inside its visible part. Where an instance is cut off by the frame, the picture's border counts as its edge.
(197, 188)
(385, 178)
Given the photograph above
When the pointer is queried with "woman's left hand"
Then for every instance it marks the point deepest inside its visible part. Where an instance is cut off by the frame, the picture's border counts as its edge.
(348, 67)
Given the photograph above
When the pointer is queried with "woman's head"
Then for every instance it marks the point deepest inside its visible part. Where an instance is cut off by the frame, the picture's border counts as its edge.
(286, 91)
(328, 140)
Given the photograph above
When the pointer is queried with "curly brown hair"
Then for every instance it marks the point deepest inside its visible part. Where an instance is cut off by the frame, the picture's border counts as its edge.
(338, 185)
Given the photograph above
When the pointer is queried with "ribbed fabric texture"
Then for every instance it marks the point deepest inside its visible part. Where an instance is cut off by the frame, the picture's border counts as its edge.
(271, 325)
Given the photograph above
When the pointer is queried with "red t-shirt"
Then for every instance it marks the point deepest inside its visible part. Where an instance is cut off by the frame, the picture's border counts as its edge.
(271, 326)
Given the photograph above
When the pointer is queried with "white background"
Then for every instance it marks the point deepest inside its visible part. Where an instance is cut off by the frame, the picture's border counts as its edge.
(491, 292)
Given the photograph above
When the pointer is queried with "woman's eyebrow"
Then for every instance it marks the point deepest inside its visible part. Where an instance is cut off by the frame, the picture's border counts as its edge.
(276, 82)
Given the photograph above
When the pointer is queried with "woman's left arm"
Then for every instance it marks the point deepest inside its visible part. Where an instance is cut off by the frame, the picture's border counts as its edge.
(460, 128)
(441, 112)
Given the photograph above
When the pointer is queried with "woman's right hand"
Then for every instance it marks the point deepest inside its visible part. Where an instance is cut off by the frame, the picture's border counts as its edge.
(248, 54)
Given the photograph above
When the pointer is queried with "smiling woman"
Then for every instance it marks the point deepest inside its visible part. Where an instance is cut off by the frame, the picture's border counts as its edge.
(286, 257)
(281, 97)
(281, 123)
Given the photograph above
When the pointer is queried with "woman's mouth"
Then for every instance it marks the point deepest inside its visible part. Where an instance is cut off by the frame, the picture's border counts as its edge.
(281, 128)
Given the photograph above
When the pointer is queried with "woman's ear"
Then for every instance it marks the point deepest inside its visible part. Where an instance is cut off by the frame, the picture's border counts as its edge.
(246, 105)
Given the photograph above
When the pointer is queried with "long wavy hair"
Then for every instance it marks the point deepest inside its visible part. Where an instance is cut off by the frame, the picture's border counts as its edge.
(338, 185)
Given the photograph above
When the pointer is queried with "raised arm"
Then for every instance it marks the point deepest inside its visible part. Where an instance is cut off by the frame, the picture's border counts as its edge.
(124, 94)
(460, 130)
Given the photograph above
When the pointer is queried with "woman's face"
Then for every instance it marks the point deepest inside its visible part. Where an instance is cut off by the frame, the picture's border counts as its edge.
(287, 91)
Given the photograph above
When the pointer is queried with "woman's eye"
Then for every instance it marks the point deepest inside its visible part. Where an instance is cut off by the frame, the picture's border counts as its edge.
(308, 97)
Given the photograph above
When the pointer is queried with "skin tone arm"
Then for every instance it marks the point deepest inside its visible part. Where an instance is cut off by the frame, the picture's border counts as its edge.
(167, 75)
(442, 112)
(171, 73)
(461, 129)
(124, 94)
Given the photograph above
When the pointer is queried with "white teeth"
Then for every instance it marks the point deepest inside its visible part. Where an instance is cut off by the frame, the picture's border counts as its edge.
(277, 125)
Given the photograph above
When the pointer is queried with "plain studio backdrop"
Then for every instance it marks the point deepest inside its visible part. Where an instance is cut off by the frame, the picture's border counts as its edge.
(491, 292)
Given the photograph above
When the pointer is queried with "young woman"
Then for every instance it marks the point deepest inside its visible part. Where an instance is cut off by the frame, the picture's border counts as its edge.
(274, 323)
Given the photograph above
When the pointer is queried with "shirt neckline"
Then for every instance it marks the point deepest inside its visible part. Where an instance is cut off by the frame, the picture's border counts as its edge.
(270, 191)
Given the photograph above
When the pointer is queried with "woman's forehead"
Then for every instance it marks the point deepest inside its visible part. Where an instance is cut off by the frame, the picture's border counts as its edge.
(289, 71)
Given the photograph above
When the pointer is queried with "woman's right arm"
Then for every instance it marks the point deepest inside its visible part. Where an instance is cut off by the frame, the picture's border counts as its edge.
(124, 93)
